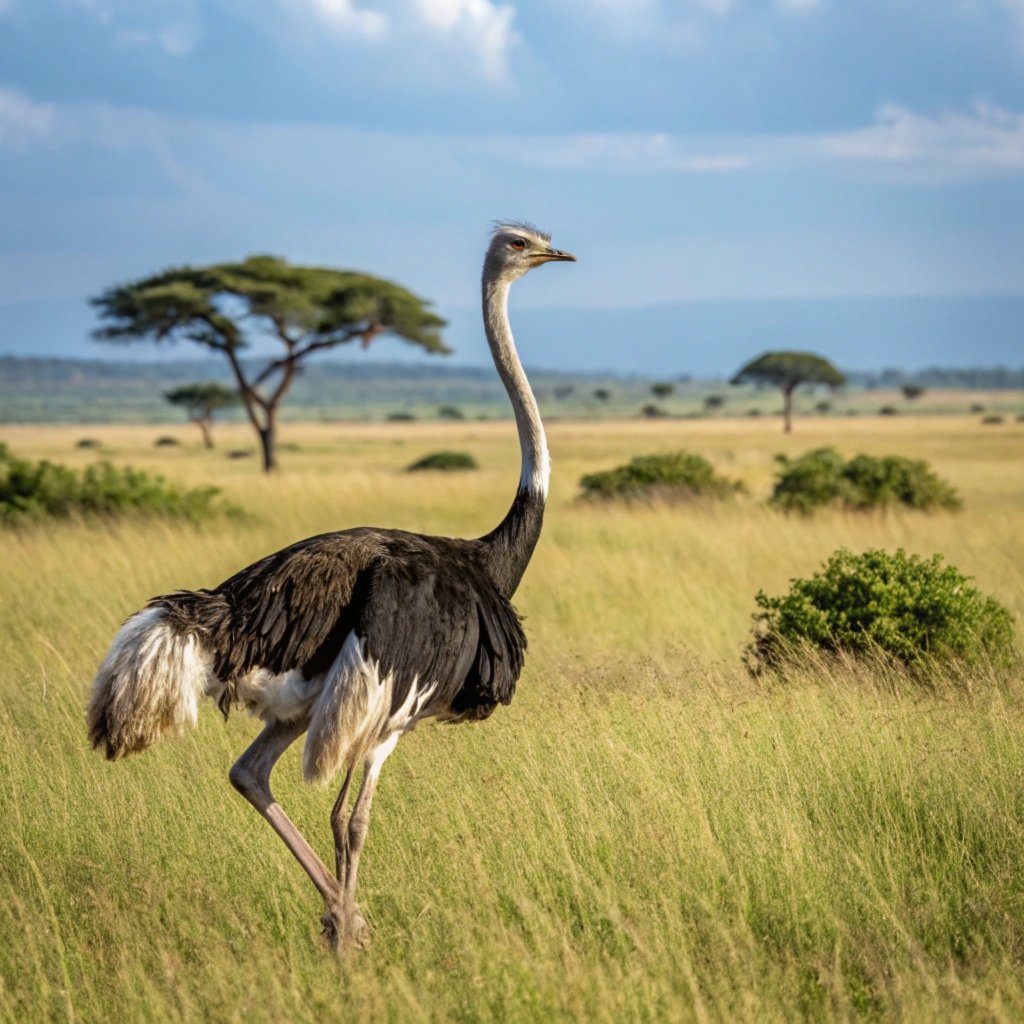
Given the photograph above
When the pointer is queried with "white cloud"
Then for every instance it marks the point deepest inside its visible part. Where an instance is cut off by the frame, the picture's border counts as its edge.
(173, 26)
(899, 146)
(484, 27)
(951, 146)
(23, 121)
(481, 28)
(343, 16)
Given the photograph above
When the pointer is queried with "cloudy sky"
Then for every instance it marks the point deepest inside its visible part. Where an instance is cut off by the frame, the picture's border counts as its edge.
(691, 151)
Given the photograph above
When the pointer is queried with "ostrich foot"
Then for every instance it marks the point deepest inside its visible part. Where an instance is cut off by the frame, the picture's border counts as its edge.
(345, 928)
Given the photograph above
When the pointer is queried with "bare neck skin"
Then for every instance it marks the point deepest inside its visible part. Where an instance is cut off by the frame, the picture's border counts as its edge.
(511, 544)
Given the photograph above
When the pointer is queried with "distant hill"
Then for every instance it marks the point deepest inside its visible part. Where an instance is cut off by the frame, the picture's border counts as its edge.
(702, 339)
(96, 391)
(41, 390)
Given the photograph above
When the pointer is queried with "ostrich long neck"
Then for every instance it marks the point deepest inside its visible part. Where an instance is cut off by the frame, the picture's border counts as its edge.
(511, 544)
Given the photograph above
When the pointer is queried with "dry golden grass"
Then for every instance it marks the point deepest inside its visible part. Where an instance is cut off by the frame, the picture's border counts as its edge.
(645, 834)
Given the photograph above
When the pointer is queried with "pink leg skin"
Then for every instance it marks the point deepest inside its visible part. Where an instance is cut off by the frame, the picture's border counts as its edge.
(250, 775)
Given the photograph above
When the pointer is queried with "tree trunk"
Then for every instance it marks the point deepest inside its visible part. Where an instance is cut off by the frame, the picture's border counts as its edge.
(205, 424)
(787, 410)
(268, 444)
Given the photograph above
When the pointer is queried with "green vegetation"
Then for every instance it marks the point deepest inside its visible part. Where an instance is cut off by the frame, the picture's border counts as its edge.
(645, 834)
(306, 309)
(450, 412)
(653, 412)
(787, 371)
(822, 477)
(34, 491)
(916, 610)
(444, 461)
(676, 476)
(200, 402)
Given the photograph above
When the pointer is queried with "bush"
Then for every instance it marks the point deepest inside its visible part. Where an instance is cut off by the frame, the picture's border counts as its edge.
(451, 412)
(652, 411)
(675, 476)
(401, 417)
(822, 477)
(39, 490)
(992, 419)
(87, 442)
(445, 461)
(912, 609)
(888, 410)
(166, 442)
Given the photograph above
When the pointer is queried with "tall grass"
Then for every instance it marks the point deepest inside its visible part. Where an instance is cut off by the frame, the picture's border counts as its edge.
(644, 835)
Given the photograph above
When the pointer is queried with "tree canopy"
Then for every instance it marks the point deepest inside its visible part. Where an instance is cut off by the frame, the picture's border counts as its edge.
(200, 401)
(225, 306)
(787, 370)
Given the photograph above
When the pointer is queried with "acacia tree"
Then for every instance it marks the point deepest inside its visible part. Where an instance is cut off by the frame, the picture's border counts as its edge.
(200, 402)
(787, 371)
(225, 306)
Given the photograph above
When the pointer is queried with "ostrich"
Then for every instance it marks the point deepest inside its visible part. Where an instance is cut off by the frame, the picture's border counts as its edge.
(349, 637)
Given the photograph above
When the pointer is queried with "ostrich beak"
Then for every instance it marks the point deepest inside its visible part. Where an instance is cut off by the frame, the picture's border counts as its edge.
(553, 255)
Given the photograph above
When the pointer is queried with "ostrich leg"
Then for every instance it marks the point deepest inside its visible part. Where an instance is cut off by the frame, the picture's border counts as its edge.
(250, 775)
(348, 845)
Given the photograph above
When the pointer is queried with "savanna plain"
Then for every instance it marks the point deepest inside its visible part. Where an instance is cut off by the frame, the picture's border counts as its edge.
(646, 834)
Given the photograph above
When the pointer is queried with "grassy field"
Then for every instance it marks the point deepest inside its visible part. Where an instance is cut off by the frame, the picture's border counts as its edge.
(644, 835)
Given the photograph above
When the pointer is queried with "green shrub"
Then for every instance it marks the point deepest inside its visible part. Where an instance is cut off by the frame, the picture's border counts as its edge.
(912, 609)
(166, 442)
(39, 490)
(87, 442)
(674, 476)
(653, 412)
(992, 419)
(822, 477)
(401, 417)
(445, 461)
(450, 412)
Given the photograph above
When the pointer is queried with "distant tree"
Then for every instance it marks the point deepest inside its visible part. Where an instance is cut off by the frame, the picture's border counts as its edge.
(912, 391)
(662, 389)
(823, 406)
(787, 371)
(652, 411)
(712, 402)
(305, 309)
(200, 402)
(450, 412)
(563, 391)
(602, 394)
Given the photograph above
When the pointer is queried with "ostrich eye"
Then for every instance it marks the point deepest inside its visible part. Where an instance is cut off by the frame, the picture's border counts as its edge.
(518, 243)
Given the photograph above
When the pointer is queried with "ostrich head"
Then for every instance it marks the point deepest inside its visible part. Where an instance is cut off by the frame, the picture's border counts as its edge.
(516, 248)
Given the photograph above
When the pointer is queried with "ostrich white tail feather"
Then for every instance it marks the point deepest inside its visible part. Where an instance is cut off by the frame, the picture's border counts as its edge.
(149, 683)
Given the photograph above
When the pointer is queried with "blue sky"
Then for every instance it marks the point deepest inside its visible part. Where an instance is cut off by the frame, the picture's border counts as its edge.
(690, 151)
